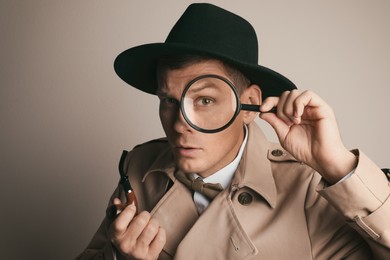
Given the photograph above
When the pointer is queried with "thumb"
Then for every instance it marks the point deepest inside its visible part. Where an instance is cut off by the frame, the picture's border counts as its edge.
(280, 127)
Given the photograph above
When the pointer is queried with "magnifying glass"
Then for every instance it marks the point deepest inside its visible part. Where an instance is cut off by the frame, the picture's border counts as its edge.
(210, 103)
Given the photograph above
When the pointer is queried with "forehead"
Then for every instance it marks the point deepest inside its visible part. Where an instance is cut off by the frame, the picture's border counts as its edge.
(177, 79)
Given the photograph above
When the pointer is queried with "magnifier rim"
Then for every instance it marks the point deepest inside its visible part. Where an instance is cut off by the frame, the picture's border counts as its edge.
(209, 131)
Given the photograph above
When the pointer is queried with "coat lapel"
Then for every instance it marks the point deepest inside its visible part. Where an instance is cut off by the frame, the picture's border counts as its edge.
(176, 213)
(254, 170)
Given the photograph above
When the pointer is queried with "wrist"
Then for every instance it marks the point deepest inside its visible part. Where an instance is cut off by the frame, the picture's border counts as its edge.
(344, 164)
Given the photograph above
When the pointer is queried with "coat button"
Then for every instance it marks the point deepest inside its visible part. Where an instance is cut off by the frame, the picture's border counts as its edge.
(245, 198)
(277, 152)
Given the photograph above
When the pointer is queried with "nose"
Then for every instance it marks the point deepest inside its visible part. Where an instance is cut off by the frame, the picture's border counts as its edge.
(180, 125)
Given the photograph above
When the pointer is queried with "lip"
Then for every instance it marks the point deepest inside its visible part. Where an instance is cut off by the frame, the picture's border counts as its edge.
(186, 150)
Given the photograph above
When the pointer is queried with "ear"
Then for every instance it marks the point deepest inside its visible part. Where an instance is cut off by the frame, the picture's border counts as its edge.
(251, 95)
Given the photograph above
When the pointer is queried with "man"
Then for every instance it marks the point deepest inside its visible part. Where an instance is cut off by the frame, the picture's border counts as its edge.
(311, 199)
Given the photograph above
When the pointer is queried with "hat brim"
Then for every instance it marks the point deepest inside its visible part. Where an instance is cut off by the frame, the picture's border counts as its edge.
(137, 67)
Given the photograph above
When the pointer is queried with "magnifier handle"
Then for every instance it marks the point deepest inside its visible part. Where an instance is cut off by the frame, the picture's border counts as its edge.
(114, 210)
(256, 108)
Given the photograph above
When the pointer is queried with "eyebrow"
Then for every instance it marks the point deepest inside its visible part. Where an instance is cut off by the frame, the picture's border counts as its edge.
(202, 87)
(164, 90)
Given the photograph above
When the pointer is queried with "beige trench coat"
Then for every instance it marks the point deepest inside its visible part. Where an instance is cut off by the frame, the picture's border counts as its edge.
(276, 208)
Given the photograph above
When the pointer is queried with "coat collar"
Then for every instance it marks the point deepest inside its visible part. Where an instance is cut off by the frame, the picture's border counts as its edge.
(164, 163)
(254, 170)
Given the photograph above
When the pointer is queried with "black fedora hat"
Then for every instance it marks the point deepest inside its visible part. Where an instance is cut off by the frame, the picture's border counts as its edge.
(205, 30)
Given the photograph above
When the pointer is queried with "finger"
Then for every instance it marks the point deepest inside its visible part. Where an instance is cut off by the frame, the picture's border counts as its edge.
(149, 233)
(282, 111)
(137, 225)
(114, 209)
(127, 242)
(289, 108)
(116, 201)
(310, 106)
(299, 105)
(120, 224)
(158, 243)
(268, 104)
(280, 127)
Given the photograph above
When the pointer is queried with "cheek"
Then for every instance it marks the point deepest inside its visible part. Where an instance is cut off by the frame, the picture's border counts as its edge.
(222, 143)
(231, 139)
(166, 118)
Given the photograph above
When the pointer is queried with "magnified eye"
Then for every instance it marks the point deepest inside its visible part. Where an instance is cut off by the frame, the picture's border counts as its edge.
(209, 103)
(205, 101)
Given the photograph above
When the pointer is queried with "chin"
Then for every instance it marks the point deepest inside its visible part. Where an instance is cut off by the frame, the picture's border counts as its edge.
(189, 166)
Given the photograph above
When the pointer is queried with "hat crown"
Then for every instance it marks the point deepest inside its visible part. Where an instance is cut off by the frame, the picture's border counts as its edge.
(216, 30)
(209, 31)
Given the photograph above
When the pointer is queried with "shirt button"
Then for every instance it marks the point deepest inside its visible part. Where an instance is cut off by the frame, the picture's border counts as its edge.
(245, 198)
(277, 152)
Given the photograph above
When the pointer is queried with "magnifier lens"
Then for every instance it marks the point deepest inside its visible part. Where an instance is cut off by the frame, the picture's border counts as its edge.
(209, 104)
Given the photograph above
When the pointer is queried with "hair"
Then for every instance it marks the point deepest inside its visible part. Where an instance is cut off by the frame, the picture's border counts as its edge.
(173, 62)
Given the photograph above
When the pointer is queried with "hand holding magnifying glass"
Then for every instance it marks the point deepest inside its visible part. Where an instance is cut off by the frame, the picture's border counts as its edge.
(210, 103)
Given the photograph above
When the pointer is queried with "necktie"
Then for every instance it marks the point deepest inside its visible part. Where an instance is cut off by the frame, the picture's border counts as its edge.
(210, 190)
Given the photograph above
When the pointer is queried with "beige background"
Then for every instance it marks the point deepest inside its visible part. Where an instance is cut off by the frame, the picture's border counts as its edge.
(65, 116)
